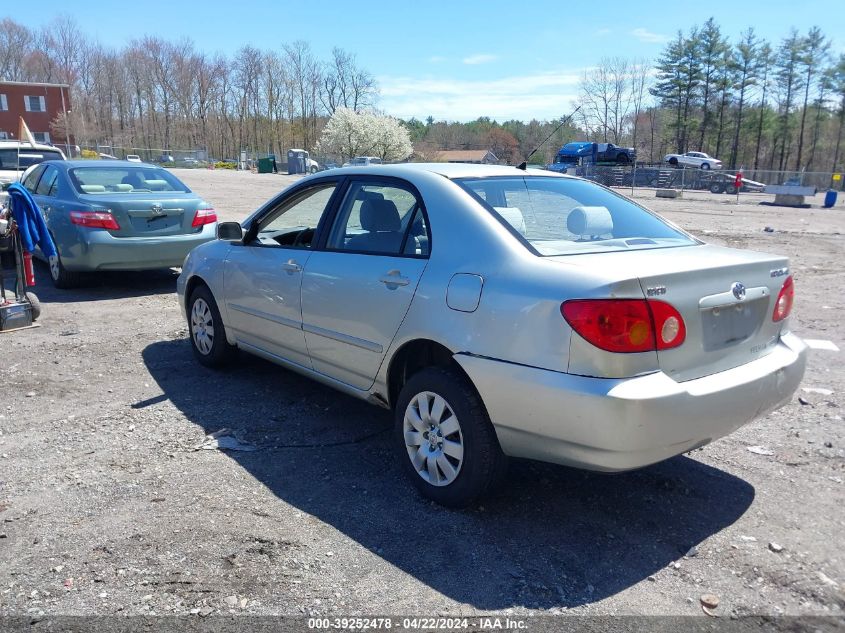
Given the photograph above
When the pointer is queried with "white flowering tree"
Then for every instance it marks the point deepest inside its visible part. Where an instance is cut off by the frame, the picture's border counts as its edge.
(349, 133)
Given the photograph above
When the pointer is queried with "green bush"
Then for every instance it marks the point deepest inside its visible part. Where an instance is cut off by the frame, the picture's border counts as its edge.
(220, 164)
(89, 153)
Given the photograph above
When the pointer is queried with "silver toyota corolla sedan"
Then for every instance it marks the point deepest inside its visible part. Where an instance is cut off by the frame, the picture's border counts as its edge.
(500, 312)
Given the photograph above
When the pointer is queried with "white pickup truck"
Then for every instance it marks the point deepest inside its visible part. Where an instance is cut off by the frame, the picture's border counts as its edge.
(693, 159)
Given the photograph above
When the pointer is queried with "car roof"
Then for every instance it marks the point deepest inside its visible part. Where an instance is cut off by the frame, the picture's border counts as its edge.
(12, 144)
(449, 170)
(70, 164)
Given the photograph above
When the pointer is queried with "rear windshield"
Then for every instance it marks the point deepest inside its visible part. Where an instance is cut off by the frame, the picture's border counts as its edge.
(28, 157)
(97, 180)
(564, 216)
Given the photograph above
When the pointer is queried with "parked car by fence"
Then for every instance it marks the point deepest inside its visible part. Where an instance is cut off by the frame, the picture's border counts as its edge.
(693, 159)
(117, 215)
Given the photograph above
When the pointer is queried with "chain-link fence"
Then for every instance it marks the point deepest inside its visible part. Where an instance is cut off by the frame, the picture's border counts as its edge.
(713, 180)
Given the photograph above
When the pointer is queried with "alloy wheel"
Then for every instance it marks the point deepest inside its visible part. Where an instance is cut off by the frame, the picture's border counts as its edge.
(202, 326)
(433, 439)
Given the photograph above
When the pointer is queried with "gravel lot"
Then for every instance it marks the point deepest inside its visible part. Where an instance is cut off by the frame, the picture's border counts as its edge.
(106, 506)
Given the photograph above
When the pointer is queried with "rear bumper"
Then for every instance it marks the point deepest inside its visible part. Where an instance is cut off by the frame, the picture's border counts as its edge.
(621, 424)
(99, 250)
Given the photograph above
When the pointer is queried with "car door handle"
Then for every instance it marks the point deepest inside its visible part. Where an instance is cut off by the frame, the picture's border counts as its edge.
(394, 278)
(291, 266)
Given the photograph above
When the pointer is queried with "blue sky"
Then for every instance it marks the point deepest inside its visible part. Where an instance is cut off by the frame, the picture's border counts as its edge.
(451, 60)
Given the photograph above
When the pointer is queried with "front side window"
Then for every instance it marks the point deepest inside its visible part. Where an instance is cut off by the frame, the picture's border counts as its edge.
(100, 180)
(294, 221)
(380, 219)
(563, 216)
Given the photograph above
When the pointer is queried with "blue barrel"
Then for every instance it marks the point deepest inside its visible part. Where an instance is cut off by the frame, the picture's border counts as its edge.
(829, 198)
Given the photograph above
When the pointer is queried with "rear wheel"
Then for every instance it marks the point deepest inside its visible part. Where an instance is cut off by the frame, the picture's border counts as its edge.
(444, 438)
(61, 276)
(206, 330)
(717, 187)
(673, 162)
(705, 165)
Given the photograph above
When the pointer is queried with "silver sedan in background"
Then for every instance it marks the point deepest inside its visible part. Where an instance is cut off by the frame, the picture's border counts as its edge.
(500, 312)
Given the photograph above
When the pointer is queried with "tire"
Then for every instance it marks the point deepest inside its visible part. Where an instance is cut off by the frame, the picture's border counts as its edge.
(35, 304)
(705, 166)
(61, 276)
(731, 189)
(464, 457)
(673, 162)
(717, 187)
(623, 159)
(313, 170)
(206, 330)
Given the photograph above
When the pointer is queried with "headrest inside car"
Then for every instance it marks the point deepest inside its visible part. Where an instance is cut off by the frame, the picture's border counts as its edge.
(380, 215)
(589, 221)
(513, 216)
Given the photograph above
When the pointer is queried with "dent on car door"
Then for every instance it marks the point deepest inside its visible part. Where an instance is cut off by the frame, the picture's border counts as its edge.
(263, 276)
(357, 290)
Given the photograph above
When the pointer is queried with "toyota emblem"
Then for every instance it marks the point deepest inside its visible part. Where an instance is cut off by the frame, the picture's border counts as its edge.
(157, 210)
(738, 290)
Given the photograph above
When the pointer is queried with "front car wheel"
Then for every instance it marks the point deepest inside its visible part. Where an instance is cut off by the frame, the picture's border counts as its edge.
(206, 330)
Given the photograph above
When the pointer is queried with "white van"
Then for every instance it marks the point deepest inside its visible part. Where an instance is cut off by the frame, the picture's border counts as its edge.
(16, 156)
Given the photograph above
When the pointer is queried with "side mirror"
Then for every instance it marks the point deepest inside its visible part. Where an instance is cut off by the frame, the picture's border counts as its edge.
(230, 231)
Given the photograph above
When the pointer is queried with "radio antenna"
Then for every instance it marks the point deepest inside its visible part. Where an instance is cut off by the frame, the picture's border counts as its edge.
(524, 164)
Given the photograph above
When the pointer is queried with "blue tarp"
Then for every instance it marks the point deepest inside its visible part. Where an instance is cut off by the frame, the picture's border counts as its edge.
(30, 221)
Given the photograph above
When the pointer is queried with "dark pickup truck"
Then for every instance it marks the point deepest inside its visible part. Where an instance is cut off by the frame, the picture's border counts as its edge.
(579, 153)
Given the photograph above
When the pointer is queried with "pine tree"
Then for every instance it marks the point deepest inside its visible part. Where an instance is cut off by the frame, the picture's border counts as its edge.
(814, 52)
(711, 52)
(789, 83)
(747, 65)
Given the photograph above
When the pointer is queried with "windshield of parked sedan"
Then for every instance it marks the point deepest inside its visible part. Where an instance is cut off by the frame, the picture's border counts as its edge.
(564, 216)
(9, 157)
(111, 180)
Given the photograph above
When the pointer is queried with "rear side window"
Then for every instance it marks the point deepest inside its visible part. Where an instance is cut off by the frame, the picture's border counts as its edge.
(32, 177)
(47, 184)
(380, 219)
(563, 216)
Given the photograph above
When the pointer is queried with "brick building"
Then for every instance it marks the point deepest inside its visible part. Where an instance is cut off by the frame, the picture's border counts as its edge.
(38, 104)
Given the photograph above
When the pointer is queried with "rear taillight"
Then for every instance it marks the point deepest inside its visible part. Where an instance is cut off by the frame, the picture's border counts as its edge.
(669, 327)
(204, 216)
(625, 325)
(786, 297)
(94, 220)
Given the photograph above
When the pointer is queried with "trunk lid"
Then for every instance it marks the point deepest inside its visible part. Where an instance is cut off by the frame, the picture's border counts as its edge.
(145, 215)
(724, 329)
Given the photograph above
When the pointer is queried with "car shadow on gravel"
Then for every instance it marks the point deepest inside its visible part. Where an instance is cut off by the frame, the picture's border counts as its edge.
(105, 285)
(550, 537)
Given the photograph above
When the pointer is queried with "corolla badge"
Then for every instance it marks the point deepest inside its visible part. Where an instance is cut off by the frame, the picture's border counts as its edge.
(738, 290)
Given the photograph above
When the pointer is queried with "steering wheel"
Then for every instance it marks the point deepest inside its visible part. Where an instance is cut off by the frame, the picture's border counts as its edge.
(298, 240)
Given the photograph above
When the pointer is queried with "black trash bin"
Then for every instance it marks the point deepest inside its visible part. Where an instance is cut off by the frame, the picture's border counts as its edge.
(296, 161)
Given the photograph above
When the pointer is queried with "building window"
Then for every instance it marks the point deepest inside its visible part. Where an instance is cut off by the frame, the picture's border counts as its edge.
(34, 104)
(42, 137)
(3, 135)
(4, 103)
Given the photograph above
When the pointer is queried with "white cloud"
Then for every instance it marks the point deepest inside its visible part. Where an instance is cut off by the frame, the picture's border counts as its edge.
(543, 96)
(644, 35)
(481, 58)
